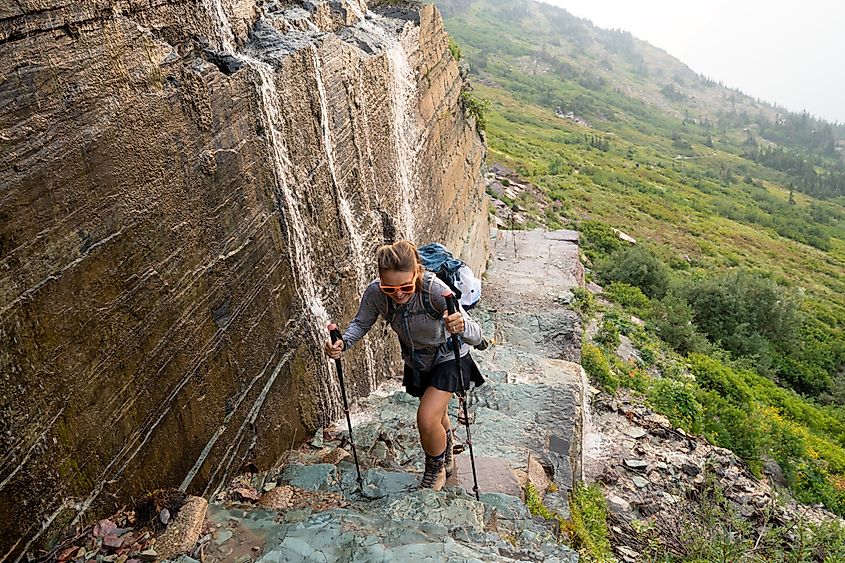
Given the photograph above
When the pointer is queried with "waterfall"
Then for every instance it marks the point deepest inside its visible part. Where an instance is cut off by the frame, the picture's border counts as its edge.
(405, 125)
(287, 200)
(359, 257)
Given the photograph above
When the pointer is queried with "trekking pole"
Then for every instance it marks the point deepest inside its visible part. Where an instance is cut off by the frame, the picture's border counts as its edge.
(452, 305)
(335, 334)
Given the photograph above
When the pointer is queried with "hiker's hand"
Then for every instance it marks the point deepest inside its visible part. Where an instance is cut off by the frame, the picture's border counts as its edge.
(454, 323)
(334, 350)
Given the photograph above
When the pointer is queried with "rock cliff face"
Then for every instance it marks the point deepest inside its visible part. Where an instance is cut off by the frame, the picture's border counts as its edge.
(189, 191)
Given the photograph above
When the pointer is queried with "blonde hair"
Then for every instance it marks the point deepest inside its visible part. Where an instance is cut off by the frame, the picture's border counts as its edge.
(401, 256)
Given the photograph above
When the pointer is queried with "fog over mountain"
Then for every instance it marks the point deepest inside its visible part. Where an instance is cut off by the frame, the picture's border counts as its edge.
(781, 55)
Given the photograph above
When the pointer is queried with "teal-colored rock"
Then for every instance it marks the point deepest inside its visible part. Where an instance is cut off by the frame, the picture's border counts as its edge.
(297, 515)
(318, 477)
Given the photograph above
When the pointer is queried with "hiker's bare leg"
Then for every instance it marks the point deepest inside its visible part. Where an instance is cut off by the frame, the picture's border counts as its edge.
(447, 424)
(430, 416)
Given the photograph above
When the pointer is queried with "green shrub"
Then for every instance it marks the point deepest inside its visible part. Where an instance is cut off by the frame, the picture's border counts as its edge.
(598, 239)
(628, 296)
(713, 375)
(745, 312)
(534, 503)
(638, 266)
(733, 427)
(596, 365)
(671, 319)
(676, 400)
(584, 302)
(608, 335)
(647, 344)
(475, 107)
(454, 48)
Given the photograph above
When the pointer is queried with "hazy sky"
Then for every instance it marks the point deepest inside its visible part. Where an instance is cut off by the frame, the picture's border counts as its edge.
(786, 53)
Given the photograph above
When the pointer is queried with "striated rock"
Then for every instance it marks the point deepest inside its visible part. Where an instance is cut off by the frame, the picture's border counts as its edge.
(184, 186)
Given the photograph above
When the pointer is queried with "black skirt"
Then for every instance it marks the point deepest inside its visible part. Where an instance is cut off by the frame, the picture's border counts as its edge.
(443, 376)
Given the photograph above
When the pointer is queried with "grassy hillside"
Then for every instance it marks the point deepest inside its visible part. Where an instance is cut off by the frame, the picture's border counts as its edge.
(739, 212)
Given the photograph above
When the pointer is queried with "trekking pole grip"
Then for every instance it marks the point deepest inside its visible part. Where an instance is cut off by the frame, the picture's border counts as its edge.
(450, 302)
(334, 332)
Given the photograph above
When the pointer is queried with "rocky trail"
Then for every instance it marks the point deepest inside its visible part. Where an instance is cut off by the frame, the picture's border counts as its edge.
(311, 507)
(526, 424)
(536, 419)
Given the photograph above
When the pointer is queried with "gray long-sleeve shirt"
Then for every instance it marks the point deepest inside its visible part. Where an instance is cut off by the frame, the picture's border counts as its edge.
(423, 339)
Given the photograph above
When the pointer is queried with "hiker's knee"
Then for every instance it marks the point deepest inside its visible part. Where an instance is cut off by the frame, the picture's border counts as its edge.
(429, 426)
(429, 420)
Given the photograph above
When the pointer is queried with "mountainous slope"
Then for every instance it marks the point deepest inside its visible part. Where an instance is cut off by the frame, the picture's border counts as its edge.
(738, 208)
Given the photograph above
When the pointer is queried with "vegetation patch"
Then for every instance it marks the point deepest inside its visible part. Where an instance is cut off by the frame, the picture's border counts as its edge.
(587, 527)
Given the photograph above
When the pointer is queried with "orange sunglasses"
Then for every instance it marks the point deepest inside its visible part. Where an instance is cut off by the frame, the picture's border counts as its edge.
(404, 288)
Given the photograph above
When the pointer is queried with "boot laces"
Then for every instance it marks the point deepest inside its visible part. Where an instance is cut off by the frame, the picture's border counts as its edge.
(433, 466)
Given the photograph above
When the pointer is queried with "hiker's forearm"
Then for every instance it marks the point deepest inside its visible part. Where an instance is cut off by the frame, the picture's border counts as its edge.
(364, 319)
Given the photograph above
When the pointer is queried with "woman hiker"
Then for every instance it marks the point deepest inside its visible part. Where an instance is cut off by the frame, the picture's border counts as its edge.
(404, 295)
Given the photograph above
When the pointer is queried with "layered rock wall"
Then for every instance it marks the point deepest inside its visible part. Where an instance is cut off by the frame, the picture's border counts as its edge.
(188, 192)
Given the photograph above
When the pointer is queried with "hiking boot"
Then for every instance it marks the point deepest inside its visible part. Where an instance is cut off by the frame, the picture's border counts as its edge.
(435, 474)
(449, 458)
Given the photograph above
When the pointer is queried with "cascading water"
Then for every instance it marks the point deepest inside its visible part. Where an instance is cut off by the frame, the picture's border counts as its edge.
(405, 125)
(287, 199)
(359, 258)
(222, 27)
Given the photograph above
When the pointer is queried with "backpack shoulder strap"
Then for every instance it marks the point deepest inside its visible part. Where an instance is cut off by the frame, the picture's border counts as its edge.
(391, 310)
(428, 304)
